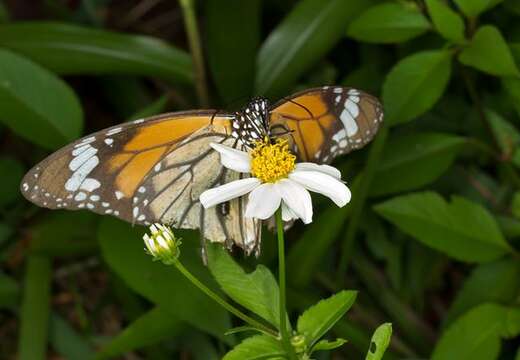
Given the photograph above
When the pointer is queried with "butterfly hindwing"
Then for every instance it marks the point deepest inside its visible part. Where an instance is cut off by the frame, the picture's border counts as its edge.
(327, 122)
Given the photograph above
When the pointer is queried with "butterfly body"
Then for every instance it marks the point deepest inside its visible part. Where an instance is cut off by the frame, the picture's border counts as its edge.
(154, 170)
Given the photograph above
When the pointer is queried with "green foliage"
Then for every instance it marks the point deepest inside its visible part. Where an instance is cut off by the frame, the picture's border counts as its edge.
(379, 343)
(48, 107)
(475, 7)
(446, 21)
(389, 23)
(448, 227)
(257, 347)
(12, 172)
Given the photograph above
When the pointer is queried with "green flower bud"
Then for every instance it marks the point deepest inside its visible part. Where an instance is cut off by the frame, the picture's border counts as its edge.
(162, 244)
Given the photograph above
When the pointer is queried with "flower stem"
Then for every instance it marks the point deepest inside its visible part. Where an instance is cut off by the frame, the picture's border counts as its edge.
(281, 280)
(188, 9)
(221, 301)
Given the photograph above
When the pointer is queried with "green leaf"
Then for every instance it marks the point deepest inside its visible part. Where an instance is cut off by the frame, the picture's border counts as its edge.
(473, 8)
(389, 23)
(512, 87)
(67, 342)
(462, 229)
(493, 282)
(476, 335)
(310, 30)
(447, 22)
(92, 51)
(380, 341)
(12, 172)
(122, 248)
(36, 104)
(507, 135)
(257, 291)
(489, 52)
(415, 84)
(9, 291)
(306, 255)
(319, 318)
(260, 347)
(156, 325)
(233, 25)
(329, 345)
(403, 170)
(35, 309)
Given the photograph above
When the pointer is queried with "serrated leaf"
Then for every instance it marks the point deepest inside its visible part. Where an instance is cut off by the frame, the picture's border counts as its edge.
(380, 341)
(489, 52)
(475, 7)
(36, 104)
(93, 51)
(329, 345)
(493, 282)
(122, 248)
(321, 317)
(389, 23)
(260, 347)
(447, 22)
(476, 335)
(155, 325)
(403, 170)
(462, 229)
(256, 291)
(234, 68)
(415, 84)
(303, 37)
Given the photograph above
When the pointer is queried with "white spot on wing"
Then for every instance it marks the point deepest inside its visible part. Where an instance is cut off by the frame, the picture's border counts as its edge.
(90, 184)
(119, 195)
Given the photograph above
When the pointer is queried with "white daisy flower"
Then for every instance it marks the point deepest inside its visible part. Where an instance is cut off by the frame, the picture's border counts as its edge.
(276, 180)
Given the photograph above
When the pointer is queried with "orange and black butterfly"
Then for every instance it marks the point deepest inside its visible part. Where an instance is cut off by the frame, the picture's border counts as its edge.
(154, 170)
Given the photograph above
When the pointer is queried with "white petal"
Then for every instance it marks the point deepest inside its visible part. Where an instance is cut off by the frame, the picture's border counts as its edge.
(263, 202)
(296, 198)
(228, 191)
(323, 184)
(233, 159)
(287, 213)
(326, 169)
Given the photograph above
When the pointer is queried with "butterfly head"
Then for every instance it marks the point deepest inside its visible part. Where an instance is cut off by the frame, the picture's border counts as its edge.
(251, 124)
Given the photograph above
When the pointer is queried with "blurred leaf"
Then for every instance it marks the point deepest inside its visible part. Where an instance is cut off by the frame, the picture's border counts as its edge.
(389, 23)
(317, 320)
(462, 229)
(36, 104)
(233, 25)
(306, 255)
(12, 172)
(415, 84)
(329, 345)
(257, 347)
(9, 291)
(476, 335)
(473, 8)
(35, 309)
(489, 52)
(154, 108)
(67, 342)
(380, 341)
(513, 6)
(122, 248)
(156, 325)
(64, 233)
(310, 30)
(447, 22)
(512, 87)
(5, 232)
(506, 134)
(493, 282)
(256, 291)
(92, 51)
(414, 160)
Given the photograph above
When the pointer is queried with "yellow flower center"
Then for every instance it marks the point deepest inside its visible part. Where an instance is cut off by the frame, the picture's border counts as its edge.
(271, 162)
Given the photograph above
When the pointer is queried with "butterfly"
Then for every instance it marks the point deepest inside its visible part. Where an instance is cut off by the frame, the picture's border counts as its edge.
(154, 170)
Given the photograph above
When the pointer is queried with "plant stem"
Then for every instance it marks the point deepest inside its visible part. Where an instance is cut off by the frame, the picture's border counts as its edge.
(190, 23)
(281, 280)
(221, 301)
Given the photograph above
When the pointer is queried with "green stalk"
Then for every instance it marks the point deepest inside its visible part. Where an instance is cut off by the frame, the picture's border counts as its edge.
(281, 280)
(190, 23)
(221, 301)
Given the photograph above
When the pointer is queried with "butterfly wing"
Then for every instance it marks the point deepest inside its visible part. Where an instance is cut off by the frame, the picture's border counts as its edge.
(147, 171)
(326, 122)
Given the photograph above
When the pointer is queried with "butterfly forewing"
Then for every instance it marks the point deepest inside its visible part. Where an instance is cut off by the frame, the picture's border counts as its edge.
(326, 122)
